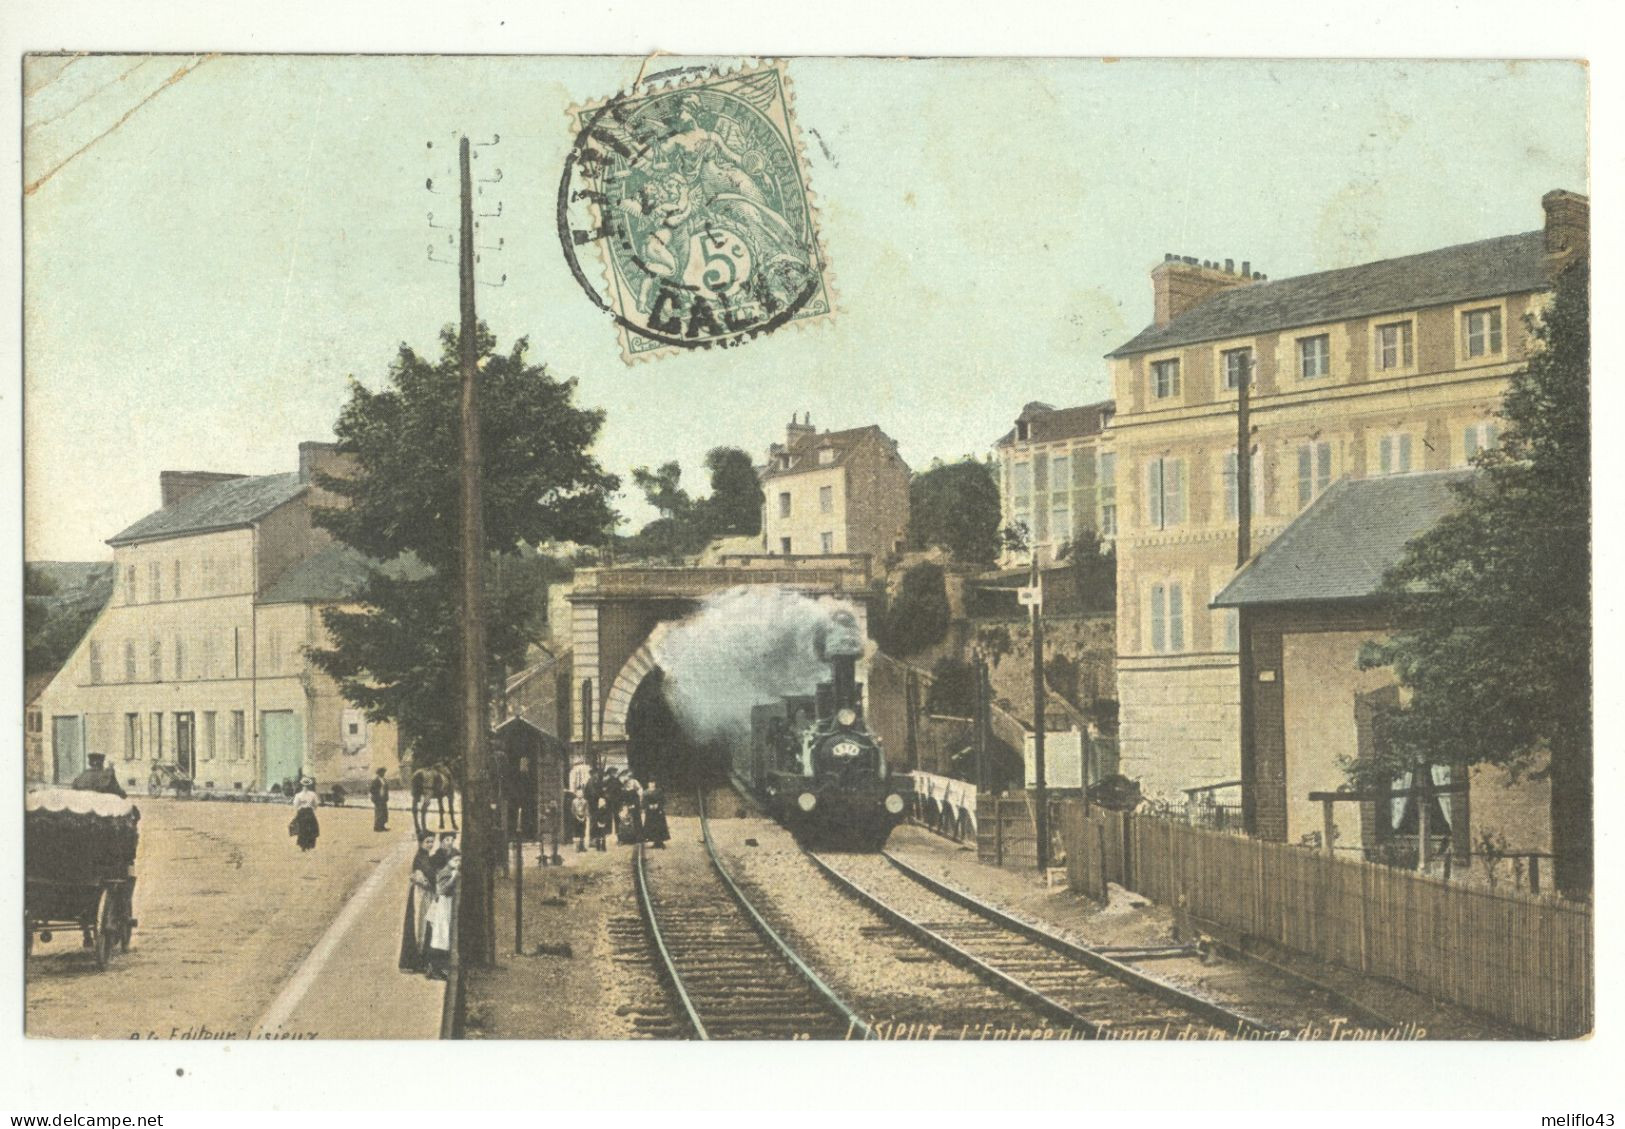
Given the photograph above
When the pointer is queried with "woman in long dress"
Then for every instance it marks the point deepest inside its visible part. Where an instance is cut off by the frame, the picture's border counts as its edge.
(305, 827)
(437, 944)
(419, 893)
(654, 816)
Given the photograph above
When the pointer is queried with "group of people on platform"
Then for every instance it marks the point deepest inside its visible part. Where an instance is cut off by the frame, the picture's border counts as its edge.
(431, 899)
(615, 801)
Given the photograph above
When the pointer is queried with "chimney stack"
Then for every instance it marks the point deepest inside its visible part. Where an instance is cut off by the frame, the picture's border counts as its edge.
(1179, 283)
(325, 458)
(177, 485)
(1568, 228)
(795, 432)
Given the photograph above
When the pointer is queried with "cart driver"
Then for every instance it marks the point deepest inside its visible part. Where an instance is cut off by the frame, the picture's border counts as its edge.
(98, 777)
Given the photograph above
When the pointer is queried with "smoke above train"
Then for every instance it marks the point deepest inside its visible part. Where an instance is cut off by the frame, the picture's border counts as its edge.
(746, 647)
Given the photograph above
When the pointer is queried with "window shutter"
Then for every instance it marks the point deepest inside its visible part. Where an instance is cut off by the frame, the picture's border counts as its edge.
(1176, 617)
(1306, 485)
(1158, 625)
(1154, 493)
(1174, 503)
(1323, 475)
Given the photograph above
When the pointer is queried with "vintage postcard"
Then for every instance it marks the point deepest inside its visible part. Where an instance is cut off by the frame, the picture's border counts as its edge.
(1089, 550)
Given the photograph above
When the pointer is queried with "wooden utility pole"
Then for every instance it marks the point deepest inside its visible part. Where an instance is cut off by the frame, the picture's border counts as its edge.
(1041, 816)
(476, 924)
(1244, 550)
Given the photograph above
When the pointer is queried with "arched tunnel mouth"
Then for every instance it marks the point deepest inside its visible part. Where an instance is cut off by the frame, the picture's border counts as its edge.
(658, 748)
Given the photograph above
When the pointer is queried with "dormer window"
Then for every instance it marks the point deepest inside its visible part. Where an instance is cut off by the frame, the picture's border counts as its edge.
(1021, 430)
(826, 455)
(784, 462)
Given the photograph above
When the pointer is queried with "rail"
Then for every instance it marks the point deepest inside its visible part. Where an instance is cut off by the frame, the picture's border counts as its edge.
(1090, 958)
(667, 964)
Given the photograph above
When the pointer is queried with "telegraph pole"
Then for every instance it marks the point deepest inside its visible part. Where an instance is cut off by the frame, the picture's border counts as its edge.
(1042, 814)
(476, 920)
(1244, 551)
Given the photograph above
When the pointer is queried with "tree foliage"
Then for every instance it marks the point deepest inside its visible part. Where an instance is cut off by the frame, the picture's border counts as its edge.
(396, 657)
(1495, 601)
(956, 506)
(54, 621)
(919, 616)
(687, 525)
(1094, 570)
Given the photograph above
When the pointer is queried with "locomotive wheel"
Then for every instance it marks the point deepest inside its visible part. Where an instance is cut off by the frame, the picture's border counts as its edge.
(105, 928)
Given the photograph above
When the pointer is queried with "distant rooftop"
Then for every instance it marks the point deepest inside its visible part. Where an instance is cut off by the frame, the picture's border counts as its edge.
(803, 448)
(1509, 264)
(1343, 544)
(1046, 424)
(335, 574)
(224, 505)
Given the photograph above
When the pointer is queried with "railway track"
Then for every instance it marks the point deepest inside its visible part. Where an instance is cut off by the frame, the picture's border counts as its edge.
(1067, 983)
(732, 975)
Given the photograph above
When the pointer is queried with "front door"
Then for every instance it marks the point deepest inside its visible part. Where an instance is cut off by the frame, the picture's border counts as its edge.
(186, 743)
(67, 748)
(282, 746)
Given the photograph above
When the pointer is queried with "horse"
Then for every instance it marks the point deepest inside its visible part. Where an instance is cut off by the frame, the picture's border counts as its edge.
(433, 782)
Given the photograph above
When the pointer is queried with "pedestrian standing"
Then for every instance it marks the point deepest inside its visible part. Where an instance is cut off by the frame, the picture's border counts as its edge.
(304, 826)
(654, 816)
(579, 816)
(442, 909)
(419, 896)
(602, 819)
(379, 790)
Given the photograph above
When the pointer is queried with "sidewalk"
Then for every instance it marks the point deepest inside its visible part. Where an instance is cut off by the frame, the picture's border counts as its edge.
(349, 986)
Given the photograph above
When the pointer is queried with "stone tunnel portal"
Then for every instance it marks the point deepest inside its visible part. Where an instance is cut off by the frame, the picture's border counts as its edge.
(657, 746)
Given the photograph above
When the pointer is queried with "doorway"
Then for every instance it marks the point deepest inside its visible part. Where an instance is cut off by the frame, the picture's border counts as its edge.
(186, 743)
(282, 747)
(67, 748)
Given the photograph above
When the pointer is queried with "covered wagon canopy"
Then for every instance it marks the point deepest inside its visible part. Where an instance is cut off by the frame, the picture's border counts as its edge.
(73, 835)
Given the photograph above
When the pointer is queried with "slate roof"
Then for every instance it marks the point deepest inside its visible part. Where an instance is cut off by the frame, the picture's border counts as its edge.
(803, 456)
(334, 574)
(1509, 264)
(225, 505)
(1340, 547)
(1061, 423)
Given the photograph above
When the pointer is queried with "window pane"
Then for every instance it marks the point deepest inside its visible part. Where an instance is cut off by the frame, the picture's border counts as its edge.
(1323, 477)
(1154, 493)
(1176, 618)
(1158, 625)
(1173, 504)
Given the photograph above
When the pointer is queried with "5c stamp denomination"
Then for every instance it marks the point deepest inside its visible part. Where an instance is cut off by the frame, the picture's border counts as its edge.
(694, 189)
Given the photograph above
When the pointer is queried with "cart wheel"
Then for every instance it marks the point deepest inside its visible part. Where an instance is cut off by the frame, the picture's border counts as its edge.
(126, 923)
(105, 928)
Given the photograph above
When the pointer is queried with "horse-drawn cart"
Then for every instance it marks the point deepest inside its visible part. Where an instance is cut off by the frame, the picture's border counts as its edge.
(79, 850)
(164, 775)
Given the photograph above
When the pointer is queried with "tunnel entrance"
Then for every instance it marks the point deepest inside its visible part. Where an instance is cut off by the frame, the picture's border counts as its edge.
(658, 749)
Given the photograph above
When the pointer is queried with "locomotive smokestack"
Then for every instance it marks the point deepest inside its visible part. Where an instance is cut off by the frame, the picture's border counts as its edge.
(845, 669)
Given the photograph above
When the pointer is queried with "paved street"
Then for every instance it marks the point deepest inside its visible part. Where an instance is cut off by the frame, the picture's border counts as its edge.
(241, 935)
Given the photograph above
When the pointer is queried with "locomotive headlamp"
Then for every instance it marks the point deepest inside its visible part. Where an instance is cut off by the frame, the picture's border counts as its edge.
(894, 803)
(847, 717)
(806, 801)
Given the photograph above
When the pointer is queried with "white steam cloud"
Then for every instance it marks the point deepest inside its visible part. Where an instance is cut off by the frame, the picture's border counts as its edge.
(745, 647)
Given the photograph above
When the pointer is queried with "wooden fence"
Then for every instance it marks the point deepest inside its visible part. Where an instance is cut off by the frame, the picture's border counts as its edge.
(1522, 959)
(1005, 830)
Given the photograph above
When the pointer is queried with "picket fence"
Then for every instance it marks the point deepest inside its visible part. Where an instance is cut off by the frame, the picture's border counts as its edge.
(1522, 959)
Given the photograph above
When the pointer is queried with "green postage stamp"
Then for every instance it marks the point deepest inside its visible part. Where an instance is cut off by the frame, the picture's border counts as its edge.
(691, 191)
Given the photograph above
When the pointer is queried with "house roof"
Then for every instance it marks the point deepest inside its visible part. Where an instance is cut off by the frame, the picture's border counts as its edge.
(1046, 424)
(335, 574)
(225, 505)
(1342, 545)
(803, 455)
(1509, 264)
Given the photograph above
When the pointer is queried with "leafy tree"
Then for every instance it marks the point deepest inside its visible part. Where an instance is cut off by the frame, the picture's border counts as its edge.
(53, 621)
(734, 508)
(953, 688)
(1094, 570)
(1494, 601)
(956, 506)
(396, 657)
(919, 616)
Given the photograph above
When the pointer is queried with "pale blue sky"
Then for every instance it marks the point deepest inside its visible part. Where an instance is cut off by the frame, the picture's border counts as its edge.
(202, 280)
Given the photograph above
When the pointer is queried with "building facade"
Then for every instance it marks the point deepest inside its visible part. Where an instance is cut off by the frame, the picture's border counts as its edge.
(198, 660)
(1385, 368)
(834, 493)
(1057, 477)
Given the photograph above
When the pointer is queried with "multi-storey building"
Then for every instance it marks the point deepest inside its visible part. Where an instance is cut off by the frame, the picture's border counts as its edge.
(198, 660)
(1057, 478)
(834, 492)
(1383, 368)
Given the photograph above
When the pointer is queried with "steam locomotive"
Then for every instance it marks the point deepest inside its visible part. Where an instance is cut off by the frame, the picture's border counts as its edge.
(815, 766)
